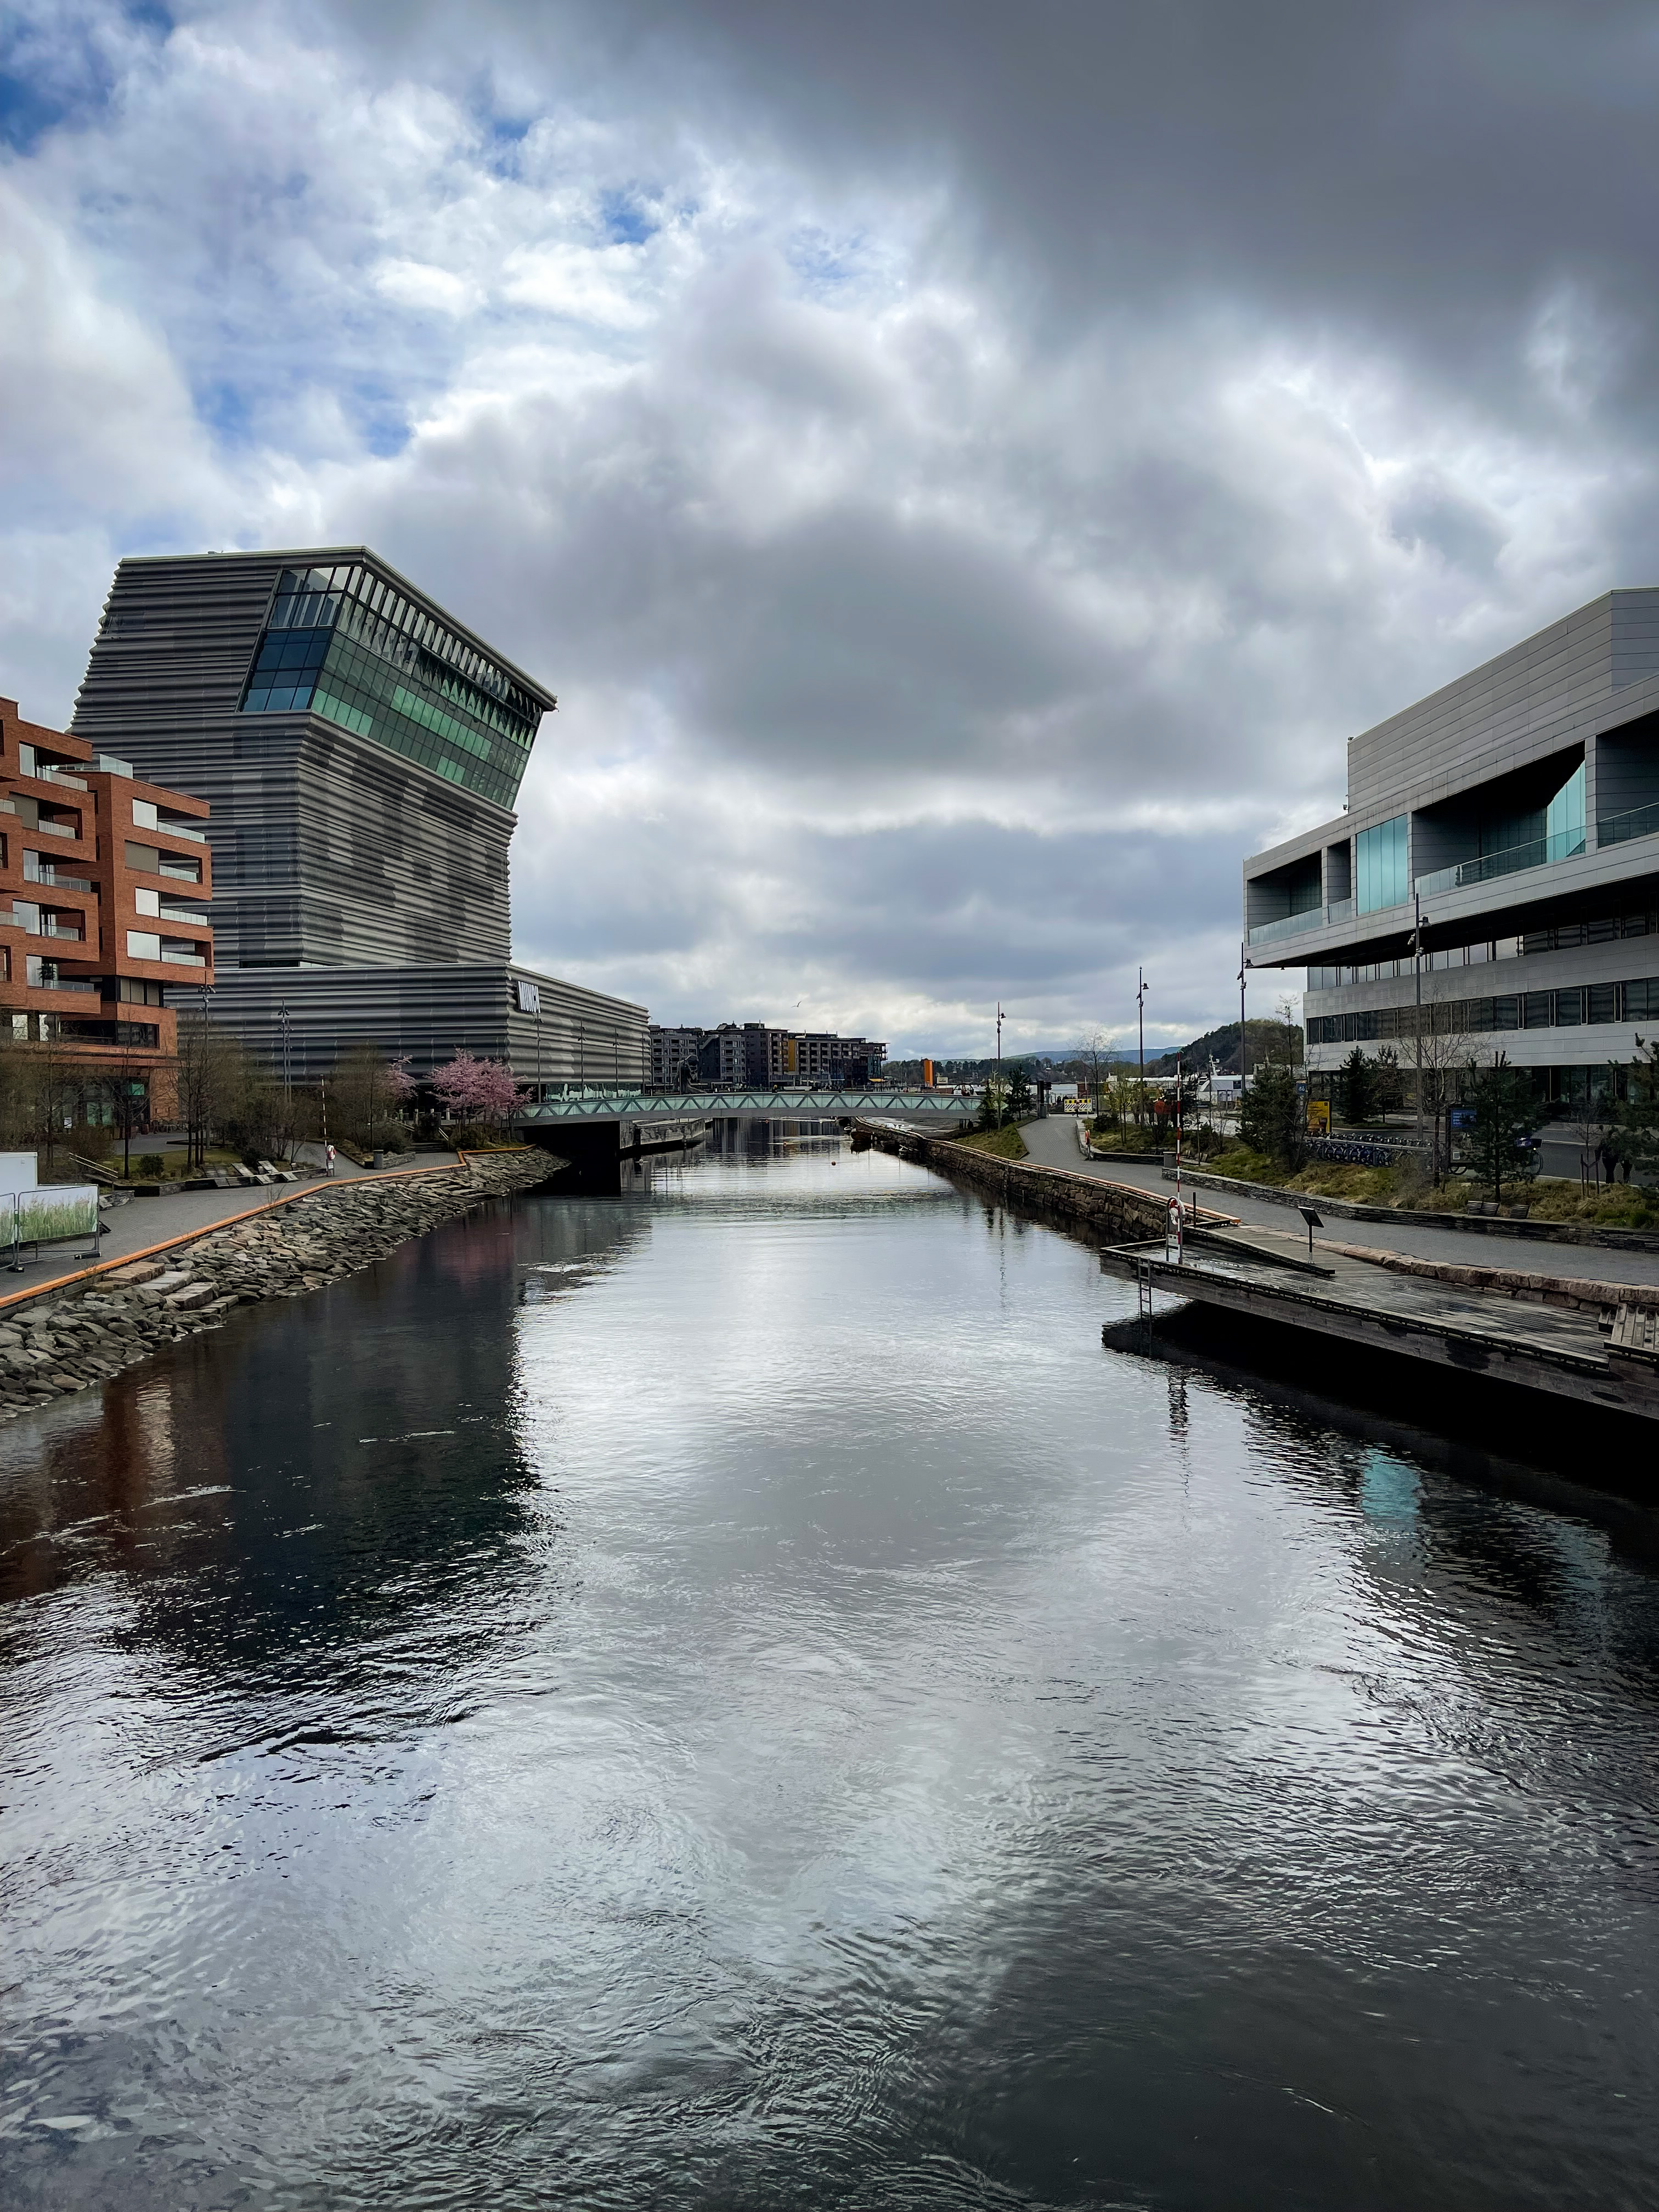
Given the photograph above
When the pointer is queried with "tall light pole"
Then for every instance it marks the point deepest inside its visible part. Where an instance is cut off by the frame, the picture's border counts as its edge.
(998, 1063)
(287, 1080)
(196, 1146)
(1242, 964)
(1140, 1014)
(1416, 964)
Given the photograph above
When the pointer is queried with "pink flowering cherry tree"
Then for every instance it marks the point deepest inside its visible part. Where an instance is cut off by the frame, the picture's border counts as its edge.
(471, 1090)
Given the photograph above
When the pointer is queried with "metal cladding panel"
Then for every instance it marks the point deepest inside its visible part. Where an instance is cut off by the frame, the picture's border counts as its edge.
(430, 1014)
(1584, 677)
(1550, 691)
(328, 849)
(579, 1036)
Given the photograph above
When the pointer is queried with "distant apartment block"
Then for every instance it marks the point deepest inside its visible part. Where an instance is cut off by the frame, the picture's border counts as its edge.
(1518, 809)
(103, 885)
(760, 1055)
(362, 750)
(673, 1056)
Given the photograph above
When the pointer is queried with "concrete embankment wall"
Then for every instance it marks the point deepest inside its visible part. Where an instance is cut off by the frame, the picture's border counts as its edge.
(79, 1330)
(1116, 1212)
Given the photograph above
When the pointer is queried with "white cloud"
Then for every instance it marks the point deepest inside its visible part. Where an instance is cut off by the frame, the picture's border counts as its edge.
(943, 596)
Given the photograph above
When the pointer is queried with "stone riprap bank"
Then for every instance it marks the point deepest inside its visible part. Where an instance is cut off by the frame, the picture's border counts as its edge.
(68, 1338)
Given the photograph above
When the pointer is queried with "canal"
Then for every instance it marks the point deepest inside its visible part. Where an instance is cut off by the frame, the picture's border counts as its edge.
(730, 1695)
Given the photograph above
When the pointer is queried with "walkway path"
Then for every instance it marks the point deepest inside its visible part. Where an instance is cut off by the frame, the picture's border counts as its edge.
(1052, 1144)
(146, 1221)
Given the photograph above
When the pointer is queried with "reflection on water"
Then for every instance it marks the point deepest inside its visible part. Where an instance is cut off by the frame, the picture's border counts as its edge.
(728, 1695)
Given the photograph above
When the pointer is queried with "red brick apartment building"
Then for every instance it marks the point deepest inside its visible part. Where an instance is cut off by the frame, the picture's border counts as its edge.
(103, 885)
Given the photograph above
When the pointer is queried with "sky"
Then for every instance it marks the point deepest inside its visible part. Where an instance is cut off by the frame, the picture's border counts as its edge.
(964, 470)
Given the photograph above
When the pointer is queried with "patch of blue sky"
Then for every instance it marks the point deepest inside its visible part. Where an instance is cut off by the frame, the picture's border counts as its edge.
(627, 217)
(224, 408)
(502, 144)
(824, 262)
(62, 73)
(380, 417)
(27, 111)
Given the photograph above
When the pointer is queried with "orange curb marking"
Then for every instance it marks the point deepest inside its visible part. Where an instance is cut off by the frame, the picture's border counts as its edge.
(463, 1160)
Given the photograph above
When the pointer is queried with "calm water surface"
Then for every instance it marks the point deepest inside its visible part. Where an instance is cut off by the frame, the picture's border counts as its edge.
(731, 1697)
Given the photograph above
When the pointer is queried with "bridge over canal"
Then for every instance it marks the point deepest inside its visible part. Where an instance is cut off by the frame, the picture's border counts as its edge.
(594, 1127)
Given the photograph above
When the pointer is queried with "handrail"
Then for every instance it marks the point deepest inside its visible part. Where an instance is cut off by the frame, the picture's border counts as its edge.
(1536, 852)
(1617, 828)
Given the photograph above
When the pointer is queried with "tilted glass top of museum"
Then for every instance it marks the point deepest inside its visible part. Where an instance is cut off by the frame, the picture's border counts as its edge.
(1517, 809)
(346, 643)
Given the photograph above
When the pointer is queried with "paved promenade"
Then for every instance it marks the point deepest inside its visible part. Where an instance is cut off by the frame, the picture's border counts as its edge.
(1052, 1144)
(146, 1221)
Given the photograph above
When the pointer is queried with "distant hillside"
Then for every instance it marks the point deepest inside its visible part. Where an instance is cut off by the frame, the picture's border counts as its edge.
(1265, 1040)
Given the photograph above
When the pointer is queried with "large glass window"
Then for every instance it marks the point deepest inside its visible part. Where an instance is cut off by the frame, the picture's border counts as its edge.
(1563, 817)
(341, 643)
(1380, 865)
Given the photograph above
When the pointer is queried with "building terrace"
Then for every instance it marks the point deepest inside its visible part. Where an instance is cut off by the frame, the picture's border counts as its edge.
(1516, 811)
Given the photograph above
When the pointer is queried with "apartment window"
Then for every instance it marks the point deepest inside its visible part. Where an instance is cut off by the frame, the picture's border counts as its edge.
(1537, 1011)
(143, 814)
(1604, 1002)
(143, 945)
(145, 858)
(147, 902)
(1380, 865)
(1569, 1009)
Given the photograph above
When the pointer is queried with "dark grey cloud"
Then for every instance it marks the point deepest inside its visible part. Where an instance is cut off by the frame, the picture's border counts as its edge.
(964, 470)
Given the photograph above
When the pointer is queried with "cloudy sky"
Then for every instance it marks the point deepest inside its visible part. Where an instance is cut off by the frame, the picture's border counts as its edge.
(965, 469)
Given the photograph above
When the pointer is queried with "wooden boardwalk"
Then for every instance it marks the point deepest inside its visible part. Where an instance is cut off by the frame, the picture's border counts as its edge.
(1607, 1358)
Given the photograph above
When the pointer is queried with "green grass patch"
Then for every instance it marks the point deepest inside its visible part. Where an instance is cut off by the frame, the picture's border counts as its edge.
(1005, 1144)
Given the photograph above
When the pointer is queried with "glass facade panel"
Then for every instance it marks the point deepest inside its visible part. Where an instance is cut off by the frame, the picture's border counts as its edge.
(1563, 817)
(1380, 865)
(343, 644)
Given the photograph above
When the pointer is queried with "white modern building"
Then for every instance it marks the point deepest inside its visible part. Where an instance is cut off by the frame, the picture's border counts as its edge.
(1518, 810)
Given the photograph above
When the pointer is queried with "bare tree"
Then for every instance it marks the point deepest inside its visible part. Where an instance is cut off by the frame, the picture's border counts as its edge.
(1096, 1044)
(131, 1073)
(211, 1080)
(1289, 1009)
(1590, 1118)
(50, 1084)
(1442, 1048)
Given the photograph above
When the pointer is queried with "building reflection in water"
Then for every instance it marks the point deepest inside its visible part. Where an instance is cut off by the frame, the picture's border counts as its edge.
(320, 1465)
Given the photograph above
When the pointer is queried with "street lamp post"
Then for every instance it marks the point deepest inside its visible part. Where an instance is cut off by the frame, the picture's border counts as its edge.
(197, 1143)
(288, 1081)
(1244, 963)
(1416, 964)
(1140, 1014)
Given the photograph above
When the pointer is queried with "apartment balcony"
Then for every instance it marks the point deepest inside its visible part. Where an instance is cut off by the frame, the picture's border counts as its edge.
(43, 975)
(1617, 828)
(37, 870)
(1536, 852)
(180, 956)
(1295, 924)
(183, 917)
